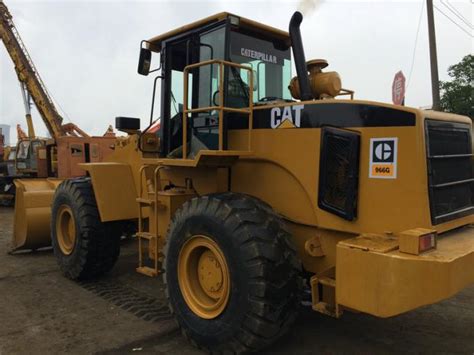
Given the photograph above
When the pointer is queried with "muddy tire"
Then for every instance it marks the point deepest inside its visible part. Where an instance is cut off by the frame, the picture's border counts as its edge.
(84, 246)
(248, 242)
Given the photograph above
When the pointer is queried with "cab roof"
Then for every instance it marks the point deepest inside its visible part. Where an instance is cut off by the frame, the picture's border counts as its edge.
(243, 22)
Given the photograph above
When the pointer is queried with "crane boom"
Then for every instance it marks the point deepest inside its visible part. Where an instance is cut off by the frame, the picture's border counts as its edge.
(28, 75)
(27, 102)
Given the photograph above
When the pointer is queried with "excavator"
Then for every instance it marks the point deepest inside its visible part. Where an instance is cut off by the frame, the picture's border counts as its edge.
(24, 160)
(42, 163)
(28, 161)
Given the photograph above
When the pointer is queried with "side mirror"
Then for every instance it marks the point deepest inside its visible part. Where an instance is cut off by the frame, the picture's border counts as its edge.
(127, 124)
(144, 62)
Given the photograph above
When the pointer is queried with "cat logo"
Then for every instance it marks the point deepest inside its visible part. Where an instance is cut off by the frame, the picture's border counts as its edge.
(286, 117)
(383, 158)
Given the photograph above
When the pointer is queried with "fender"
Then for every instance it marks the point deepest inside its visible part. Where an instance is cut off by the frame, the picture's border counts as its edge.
(114, 190)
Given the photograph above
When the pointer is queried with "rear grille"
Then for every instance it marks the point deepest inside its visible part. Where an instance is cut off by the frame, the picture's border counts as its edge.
(450, 170)
(339, 172)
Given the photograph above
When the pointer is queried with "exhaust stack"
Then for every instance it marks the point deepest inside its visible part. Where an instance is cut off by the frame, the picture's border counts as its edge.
(298, 54)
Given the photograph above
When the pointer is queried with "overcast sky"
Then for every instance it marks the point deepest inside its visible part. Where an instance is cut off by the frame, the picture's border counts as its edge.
(87, 51)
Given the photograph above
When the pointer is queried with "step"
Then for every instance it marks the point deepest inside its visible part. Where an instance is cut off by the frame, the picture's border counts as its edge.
(145, 201)
(327, 281)
(147, 271)
(327, 309)
(145, 235)
(148, 202)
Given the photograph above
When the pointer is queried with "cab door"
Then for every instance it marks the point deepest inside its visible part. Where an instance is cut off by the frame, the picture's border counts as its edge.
(202, 127)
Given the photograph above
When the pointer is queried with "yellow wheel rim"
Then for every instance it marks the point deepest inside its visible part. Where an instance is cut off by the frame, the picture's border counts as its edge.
(203, 277)
(65, 229)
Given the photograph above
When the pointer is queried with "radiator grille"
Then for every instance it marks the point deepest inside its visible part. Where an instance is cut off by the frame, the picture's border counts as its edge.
(450, 170)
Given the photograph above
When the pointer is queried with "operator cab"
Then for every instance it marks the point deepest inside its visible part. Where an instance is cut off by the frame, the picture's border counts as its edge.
(262, 49)
(26, 159)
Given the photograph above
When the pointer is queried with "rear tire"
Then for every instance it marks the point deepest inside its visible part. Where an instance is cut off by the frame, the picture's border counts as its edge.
(262, 264)
(84, 246)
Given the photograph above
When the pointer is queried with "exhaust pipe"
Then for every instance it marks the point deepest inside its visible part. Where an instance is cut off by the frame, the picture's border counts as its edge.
(298, 54)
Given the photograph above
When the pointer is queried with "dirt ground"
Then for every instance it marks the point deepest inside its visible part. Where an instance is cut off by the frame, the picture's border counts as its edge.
(42, 312)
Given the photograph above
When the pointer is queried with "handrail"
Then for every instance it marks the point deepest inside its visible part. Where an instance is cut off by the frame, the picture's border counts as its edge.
(348, 92)
(157, 235)
(140, 216)
(221, 108)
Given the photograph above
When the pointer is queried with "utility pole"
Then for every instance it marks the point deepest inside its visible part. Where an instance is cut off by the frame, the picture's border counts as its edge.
(433, 56)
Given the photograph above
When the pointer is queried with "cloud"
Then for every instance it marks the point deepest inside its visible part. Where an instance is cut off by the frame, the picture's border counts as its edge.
(307, 7)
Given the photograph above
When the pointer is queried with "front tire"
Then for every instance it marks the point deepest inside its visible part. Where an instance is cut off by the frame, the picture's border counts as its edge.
(84, 246)
(238, 288)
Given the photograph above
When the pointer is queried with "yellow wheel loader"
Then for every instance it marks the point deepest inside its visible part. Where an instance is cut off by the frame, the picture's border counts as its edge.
(248, 192)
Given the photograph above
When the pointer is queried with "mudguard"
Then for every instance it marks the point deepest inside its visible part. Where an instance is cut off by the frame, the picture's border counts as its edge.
(114, 190)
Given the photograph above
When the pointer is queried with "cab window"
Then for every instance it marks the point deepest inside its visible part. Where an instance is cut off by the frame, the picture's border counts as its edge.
(270, 63)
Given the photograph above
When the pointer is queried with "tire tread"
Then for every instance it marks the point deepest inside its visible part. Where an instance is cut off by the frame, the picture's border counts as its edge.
(271, 259)
(99, 245)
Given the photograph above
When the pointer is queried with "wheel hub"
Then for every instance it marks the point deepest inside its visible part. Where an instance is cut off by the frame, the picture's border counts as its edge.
(66, 229)
(203, 277)
(210, 274)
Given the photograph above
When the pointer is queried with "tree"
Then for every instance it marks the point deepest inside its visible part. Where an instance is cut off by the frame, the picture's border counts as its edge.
(457, 96)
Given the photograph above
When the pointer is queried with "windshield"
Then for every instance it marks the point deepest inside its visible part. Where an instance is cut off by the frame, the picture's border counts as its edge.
(23, 148)
(270, 62)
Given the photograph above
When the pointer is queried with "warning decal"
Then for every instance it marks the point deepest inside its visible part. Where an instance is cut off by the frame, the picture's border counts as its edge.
(383, 158)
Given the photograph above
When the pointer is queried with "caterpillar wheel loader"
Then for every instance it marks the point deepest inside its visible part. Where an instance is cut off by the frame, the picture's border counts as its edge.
(250, 194)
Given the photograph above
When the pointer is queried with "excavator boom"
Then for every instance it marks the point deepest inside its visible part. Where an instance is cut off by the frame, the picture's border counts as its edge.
(27, 102)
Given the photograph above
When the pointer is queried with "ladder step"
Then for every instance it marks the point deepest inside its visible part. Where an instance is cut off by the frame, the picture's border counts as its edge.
(147, 271)
(327, 309)
(145, 201)
(327, 281)
(145, 235)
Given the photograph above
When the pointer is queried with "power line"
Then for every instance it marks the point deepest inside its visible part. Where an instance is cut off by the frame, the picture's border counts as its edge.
(456, 14)
(454, 22)
(416, 43)
(465, 20)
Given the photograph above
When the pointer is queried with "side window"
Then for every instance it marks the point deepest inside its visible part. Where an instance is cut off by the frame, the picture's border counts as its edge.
(177, 90)
(76, 150)
(176, 59)
(211, 46)
(35, 145)
(339, 172)
(23, 148)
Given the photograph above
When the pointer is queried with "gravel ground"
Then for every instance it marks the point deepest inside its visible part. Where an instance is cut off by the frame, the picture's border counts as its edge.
(42, 312)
